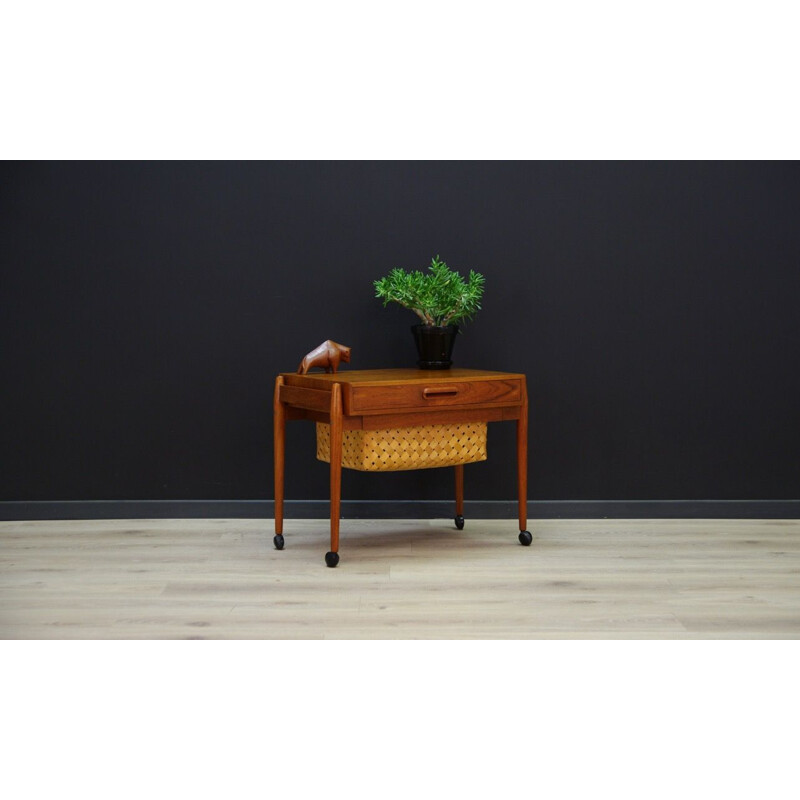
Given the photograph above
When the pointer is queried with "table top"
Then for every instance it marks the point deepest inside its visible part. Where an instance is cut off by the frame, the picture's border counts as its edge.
(403, 396)
(389, 377)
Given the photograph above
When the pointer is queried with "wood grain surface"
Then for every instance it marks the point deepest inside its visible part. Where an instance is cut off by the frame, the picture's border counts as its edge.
(400, 579)
(432, 394)
(388, 377)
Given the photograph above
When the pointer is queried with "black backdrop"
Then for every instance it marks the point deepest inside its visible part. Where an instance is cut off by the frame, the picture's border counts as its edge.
(146, 308)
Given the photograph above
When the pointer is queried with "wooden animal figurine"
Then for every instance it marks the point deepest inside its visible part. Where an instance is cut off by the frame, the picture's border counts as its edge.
(327, 355)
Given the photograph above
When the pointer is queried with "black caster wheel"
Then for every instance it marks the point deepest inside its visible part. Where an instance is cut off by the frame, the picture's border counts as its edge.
(278, 541)
(525, 538)
(459, 520)
(331, 559)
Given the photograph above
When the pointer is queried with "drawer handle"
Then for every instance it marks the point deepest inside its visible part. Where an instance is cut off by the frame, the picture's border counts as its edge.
(443, 392)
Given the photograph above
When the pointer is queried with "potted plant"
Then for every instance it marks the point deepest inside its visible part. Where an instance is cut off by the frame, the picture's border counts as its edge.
(441, 298)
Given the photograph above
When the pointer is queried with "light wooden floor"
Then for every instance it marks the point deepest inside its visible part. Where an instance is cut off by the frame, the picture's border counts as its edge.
(222, 579)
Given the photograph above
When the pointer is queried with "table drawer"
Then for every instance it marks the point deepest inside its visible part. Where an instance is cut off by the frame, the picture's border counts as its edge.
(380, 399)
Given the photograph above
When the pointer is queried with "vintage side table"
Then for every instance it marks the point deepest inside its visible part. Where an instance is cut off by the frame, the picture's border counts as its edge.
(407, 410)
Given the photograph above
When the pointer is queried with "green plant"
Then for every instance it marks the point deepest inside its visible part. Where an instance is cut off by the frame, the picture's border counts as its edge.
(440, 297)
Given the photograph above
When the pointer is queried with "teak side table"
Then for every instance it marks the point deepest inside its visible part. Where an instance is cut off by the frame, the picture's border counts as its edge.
(379, 399)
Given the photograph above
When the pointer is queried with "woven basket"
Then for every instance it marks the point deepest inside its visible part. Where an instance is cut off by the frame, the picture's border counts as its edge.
(406, 448)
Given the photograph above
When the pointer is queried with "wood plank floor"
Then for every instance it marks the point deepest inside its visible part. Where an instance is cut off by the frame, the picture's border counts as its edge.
(399, 579)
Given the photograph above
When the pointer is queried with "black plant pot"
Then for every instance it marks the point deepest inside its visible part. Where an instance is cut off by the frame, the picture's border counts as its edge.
(434, 345)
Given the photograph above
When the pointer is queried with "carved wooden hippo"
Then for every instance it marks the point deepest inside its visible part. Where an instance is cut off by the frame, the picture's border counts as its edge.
(327, 355)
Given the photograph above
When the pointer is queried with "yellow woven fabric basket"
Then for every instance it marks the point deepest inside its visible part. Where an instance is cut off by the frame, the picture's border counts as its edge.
(396, 449)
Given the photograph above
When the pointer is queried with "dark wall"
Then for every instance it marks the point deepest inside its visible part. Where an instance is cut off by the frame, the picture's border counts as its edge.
(146, 308)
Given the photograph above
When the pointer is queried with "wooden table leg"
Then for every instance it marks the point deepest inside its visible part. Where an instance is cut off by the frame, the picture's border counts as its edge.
(332, 558)
(459, 520)
(522, 469)
(279, 458)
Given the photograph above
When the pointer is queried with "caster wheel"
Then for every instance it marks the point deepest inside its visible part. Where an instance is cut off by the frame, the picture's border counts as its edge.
(331, 559)
(459, 520)
(525, 538)
(278, 541)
